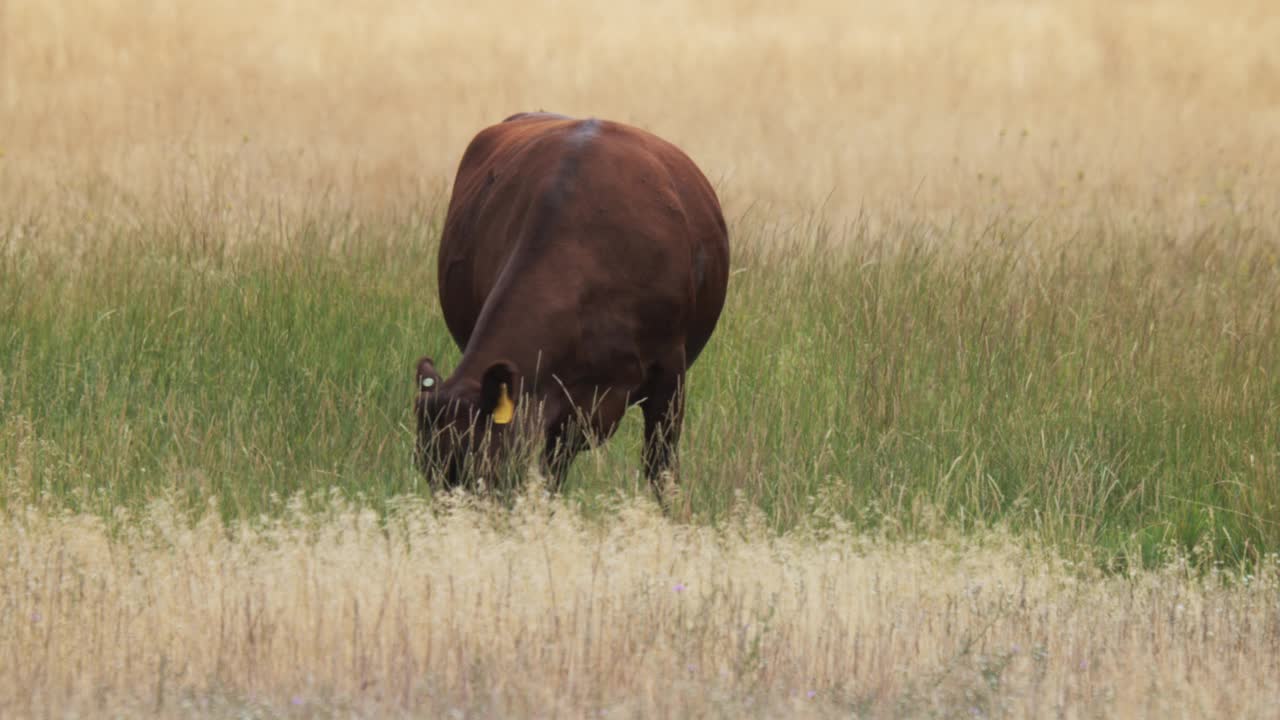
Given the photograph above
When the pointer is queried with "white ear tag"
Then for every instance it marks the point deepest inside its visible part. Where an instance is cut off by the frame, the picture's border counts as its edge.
(428, 383)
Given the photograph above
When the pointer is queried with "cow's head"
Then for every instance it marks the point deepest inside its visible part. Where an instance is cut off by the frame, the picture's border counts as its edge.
(463, 425)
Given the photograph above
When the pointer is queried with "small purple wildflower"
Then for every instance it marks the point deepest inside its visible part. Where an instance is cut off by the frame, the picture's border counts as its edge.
(36, 617)
(679, 587)
(812, 694)
(1084, 664)
(297, 700)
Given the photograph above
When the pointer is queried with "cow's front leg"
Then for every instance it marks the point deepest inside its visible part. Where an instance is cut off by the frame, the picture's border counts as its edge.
(564, 442)
(590, 418)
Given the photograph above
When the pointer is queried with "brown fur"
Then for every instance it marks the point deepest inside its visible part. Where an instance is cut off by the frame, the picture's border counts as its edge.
(586, 262)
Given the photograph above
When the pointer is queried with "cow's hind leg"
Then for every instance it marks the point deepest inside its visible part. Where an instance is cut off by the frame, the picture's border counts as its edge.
(663, 409)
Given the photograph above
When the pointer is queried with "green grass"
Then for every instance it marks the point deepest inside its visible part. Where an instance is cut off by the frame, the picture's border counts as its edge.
(1107, 388)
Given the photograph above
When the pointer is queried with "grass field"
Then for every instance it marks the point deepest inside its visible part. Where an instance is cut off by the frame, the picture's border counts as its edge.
(1002, 316)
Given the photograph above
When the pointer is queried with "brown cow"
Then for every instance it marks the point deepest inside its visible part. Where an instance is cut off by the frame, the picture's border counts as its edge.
(582, 268)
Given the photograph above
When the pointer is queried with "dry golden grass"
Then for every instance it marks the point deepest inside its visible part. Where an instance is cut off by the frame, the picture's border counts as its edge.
(536, 613)
(927, 107)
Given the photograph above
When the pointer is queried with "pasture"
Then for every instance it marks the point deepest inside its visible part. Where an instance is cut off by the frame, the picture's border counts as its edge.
(990, 425)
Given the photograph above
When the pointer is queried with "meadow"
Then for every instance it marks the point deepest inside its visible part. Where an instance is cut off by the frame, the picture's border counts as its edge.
(990, 425)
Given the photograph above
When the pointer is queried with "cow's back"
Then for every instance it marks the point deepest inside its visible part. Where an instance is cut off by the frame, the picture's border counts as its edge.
(552, 217)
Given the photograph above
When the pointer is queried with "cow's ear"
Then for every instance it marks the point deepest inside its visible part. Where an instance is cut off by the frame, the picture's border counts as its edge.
(498, 392)
(427, 377)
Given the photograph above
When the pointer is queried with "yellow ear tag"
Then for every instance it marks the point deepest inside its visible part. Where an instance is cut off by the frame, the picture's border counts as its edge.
(506, 409)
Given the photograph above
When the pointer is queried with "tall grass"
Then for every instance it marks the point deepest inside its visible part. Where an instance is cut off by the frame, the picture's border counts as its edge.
(535, 612)
(1116, 393)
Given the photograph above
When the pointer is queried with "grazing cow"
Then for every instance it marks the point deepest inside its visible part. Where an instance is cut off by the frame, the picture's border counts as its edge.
(582, 268)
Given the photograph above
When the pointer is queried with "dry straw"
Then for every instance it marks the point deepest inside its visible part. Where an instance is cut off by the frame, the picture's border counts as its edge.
(536, 612)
